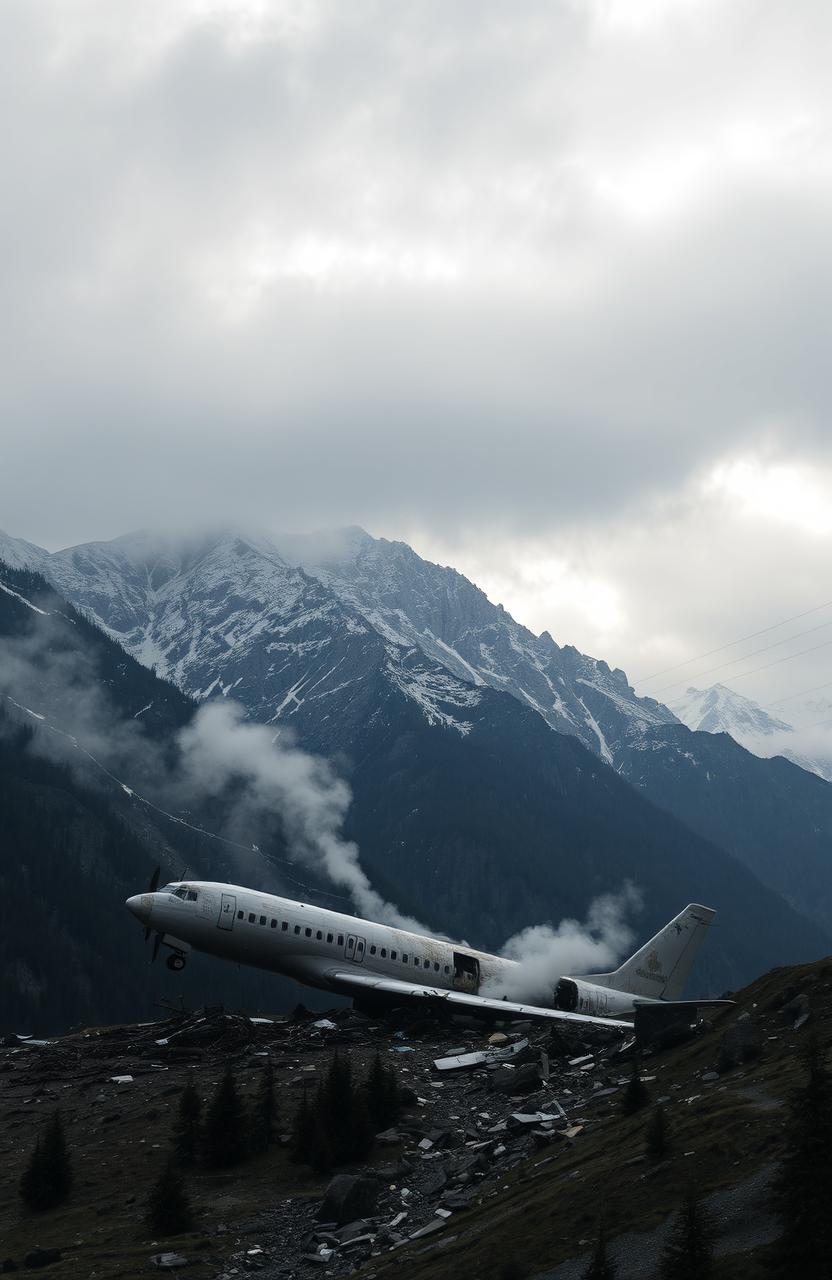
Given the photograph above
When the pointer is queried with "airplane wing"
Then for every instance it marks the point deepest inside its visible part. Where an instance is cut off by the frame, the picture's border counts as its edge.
(459, 1001)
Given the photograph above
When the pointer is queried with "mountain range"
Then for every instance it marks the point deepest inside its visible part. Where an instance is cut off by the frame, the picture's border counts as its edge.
(498, 779)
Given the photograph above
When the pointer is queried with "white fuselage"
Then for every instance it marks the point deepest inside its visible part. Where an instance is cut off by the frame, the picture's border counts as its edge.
(313, 945)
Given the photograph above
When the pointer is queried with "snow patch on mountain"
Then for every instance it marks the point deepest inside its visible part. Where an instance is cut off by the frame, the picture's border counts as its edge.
(411, 601)
(722, 710)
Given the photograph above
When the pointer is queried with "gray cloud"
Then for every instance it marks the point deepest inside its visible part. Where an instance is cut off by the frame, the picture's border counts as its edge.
(455, 273)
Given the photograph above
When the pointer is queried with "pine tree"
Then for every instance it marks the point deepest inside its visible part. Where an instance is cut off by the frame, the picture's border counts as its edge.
(337, 1103)
(168, 1211)
(656, 1138)
(383, 1094)
(263, 1128)
(46, 1180)
(802, 1191)
(601, 1267)
(688, 1253)
(362, 1130)
(636, 1095)
(303, 1132)
(186, 1129)
(320, 1158)
(224, 1141)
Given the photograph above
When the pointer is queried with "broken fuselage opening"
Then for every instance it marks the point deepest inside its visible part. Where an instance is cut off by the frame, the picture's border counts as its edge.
(466, 972)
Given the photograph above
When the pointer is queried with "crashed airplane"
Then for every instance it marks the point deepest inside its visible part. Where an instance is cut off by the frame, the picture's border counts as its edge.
(376, 963)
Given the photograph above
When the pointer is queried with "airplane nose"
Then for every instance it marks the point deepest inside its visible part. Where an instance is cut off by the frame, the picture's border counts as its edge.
(141, 905)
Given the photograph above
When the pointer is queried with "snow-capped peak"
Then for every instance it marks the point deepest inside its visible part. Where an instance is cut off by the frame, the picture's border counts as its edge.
(721, 710)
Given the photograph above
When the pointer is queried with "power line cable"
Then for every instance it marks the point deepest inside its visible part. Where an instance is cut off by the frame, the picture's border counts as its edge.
(752, 636)
(802, 693)
(765, 667)
(744, 658)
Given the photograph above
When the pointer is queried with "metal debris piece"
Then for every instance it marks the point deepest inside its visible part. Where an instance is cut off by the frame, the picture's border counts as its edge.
(465, 1061)
(168, 1261)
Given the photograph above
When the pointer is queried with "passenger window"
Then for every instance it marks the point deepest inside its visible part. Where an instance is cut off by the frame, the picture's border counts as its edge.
(262, 919)
(274, 924)
(447, 968)
(384, 952)
(393, 955)
(404, 957)
(340, 939)
(416, 960)
(308, 933)
(251, 917)
(297, 928)
(284, 925)
(436, 966)
(319, 935)
(329, 937)
(373, 949)
(240, 915)
(427, 964)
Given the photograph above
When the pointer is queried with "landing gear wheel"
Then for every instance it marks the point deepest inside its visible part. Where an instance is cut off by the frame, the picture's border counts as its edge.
(176, 963)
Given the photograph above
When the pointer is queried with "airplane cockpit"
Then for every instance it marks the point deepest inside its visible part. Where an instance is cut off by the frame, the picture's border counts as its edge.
(182, 891)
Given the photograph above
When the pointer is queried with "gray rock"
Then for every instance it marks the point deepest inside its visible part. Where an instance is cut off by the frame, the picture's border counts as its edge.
(740, 1043)
(349, 1196)
(37, 1257)
(512, 1080)
(388, 1138)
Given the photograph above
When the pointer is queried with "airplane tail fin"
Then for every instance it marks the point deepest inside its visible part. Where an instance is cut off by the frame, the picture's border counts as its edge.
(661, 967)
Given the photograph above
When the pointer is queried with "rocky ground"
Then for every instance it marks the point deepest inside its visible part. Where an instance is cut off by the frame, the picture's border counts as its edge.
(509, 1158)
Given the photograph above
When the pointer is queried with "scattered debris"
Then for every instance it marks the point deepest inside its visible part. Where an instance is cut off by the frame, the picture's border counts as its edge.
(168, 1261)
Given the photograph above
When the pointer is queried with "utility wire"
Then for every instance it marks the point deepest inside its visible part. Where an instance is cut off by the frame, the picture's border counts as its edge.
(802, 693)
(751, 636)
(801, 653)
(732, 662)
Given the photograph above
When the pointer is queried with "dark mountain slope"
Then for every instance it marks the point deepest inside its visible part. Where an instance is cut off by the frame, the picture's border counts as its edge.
(501, 830)
(322, 633)
(773, 816)
(467, 808)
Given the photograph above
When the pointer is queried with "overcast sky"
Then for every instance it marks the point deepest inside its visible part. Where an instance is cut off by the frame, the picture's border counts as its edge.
(542, 288)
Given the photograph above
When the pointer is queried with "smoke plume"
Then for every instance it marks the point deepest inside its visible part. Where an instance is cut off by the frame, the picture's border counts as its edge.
(260, 774)
(219, 748)
(545, 953)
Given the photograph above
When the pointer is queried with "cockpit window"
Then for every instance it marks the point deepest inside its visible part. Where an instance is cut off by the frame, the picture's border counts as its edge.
(181, 891)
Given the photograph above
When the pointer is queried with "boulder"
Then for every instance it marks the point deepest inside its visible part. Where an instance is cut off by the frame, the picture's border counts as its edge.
(349, 1196)
(38, 1257)
(512, 1080)
(740, 1043)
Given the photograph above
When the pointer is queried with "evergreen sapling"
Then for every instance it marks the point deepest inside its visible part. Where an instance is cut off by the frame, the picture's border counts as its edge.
(46, 1180)
(688, 1253)
(168, 1211)
(601, 1267)
(224, 1139)
(264, 1117)
(186, 1129)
